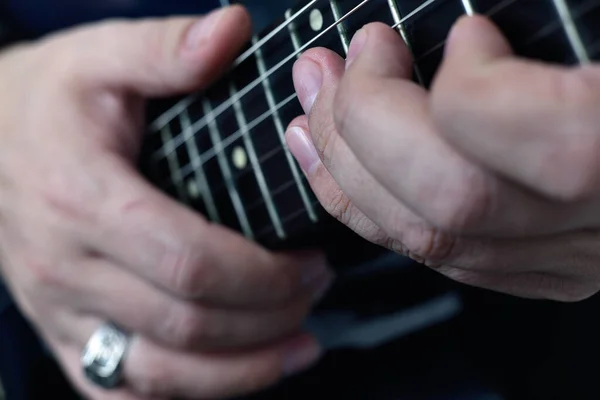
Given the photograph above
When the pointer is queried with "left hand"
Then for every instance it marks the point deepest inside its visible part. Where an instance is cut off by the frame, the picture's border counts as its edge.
(492, 177)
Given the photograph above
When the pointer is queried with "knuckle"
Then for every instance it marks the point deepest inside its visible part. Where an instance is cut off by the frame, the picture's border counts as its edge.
(72, 195)
(188, 271)
(458, 205)
(45, 274)
(428, 246)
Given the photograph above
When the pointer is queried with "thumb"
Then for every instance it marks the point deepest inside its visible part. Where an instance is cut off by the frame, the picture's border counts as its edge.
(162, 57)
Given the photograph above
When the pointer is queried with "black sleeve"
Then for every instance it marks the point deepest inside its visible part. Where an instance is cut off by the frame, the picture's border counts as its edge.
(10, 31)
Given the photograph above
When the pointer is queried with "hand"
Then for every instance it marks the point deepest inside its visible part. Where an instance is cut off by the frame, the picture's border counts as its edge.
(84, 239)
(492, 177)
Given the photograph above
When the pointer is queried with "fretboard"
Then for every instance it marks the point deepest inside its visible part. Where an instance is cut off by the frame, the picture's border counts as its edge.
(223, 153)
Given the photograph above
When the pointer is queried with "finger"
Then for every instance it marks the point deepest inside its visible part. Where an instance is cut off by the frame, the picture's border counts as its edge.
(573, 255)
(175, 249)
(140, 307)
(530, 285)
(327, 190)
(405, 153)
(153, 371)
(535, 123)
(69, 360)
(158, 57)
(346, 190)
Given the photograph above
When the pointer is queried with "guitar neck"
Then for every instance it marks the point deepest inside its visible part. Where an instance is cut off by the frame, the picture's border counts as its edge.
(223, 153)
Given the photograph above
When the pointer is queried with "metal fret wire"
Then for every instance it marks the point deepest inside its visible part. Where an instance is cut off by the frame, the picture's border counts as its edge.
(226, 105)
(173, 112)
(577, 13)
(188, 169)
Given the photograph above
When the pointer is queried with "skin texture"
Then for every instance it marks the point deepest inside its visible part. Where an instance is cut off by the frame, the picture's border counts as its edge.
(492, 177)
(84, 239)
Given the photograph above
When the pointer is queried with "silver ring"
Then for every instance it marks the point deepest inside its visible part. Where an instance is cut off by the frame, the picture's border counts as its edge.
(102, 357)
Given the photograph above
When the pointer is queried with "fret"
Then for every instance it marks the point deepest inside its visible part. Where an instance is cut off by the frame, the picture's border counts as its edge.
(586, 14)
(174, 167)
(427, 30)
(279, 126)
(293, 33)
(241, 119)
(313, 22)
(468, 7)
(226, 171)
(571, 31)
(531, 27)
(373, 11)
(340, 28)
(397, 18)
(198, 187)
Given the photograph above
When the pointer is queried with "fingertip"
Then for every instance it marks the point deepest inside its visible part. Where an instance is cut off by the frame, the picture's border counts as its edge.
(475, 37)
(241, 18)
(385, 53)
(308, 79)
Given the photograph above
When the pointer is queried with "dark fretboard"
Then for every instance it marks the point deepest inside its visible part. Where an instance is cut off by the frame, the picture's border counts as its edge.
(223, 153)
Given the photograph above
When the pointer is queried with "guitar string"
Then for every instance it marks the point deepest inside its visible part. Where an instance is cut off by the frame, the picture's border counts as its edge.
(223, 145)
(262, 42)
(188, 133)
(180, 139)
(189, 169)
(174, 111)
(578, 13)
(182, 104)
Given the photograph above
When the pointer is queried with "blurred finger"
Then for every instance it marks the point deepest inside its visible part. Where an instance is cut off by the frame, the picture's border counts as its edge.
(531, 285)
(532, 122)
(178, 250)
(405, 153)
(156, 372)
(140, 307)
(160, 57)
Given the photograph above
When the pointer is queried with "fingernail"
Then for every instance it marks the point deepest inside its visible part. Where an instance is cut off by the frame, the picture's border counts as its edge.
(308, 79)
(300, 355)
(302, 148)
(203, 29)
(356, 46)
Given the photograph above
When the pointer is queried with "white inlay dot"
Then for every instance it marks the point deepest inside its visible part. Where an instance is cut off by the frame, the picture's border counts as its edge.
(193, 189)
(316, 20)
(239, 157)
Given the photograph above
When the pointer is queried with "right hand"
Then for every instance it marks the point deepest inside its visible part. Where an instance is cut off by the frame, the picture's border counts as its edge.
(84, 239)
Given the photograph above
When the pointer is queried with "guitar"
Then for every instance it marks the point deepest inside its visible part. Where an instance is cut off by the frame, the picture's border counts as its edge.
(222, 151)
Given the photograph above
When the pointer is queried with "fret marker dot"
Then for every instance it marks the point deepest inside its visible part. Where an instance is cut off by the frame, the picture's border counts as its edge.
(316, 20)
(239, 157)
(193, 189)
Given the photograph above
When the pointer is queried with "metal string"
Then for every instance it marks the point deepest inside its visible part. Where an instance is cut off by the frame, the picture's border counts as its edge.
(188, 133)
(546, 30)
(218, 148)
